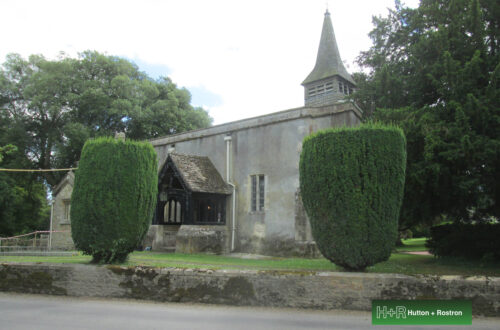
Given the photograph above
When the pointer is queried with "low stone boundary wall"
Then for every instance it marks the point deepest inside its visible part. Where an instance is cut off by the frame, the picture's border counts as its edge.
(318, 290)
(28, 253)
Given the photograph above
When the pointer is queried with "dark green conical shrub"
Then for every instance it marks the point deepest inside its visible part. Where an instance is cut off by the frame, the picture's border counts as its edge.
(352, 181)
(113, 197)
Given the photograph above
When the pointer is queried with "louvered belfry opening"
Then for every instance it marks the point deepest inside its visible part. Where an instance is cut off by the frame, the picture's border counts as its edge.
(329, 81)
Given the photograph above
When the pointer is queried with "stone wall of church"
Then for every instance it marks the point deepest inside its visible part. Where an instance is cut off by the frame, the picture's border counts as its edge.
(61, 222)
(267, 146)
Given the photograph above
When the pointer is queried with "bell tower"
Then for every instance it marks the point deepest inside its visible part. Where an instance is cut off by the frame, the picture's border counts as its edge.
(329, 81)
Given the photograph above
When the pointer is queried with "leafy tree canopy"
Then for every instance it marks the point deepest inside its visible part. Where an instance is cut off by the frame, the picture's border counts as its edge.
(49, 108)
(59, 104)
(6, 150)
(23, 204)
(434, 70)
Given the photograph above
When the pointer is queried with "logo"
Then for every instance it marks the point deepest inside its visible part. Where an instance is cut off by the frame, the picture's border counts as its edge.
(384, 311)
(421, 312)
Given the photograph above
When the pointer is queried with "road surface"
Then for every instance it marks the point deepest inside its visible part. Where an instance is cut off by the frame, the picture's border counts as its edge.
(57, 313)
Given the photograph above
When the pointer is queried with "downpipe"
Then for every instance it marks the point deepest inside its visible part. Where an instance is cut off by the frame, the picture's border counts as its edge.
(228, 140)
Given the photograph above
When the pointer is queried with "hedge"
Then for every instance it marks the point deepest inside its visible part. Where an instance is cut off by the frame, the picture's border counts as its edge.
(471, 241)
(113, 197)
(351, 181)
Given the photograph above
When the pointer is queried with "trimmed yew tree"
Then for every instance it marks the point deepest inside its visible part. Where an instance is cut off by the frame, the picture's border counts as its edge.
(113, 198)
(352, 182)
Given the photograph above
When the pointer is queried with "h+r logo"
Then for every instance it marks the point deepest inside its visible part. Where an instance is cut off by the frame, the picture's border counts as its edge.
(399, 312)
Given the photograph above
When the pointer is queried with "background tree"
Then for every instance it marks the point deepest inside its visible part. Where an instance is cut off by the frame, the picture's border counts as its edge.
(5, 150)
(49, 108)
(60, 104)
(23, 205)
(435, 71)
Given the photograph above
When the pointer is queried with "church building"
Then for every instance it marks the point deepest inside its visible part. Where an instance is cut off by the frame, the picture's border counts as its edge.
(235, 187)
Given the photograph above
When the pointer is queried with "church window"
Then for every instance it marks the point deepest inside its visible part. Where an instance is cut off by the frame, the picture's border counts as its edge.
(258, 183)
(253, 179)
(341, 87)
(172, 212)
(67, 210)
(210, 209)
(261, 192)
(329, 87)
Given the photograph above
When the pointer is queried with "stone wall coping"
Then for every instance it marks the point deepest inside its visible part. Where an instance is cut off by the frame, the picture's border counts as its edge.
(271, 272)
(273, 118)
(273, 288)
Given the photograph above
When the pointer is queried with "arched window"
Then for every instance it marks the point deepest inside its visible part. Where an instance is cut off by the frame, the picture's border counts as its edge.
(173, 212)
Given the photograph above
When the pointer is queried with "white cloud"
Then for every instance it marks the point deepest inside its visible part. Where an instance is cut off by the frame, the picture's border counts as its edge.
(253, 54)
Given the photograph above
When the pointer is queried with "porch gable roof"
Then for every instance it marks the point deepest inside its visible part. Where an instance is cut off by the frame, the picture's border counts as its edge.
(199, 174)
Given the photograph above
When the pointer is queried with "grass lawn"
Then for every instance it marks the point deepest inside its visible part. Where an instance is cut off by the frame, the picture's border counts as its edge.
(412, 245)
(398, 263)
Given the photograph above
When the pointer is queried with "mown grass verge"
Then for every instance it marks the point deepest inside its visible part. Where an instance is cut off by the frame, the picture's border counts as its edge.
(399, 262)
(413, 245)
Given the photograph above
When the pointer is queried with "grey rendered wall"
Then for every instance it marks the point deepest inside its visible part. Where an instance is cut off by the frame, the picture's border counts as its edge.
(268, 145)
(273, 150)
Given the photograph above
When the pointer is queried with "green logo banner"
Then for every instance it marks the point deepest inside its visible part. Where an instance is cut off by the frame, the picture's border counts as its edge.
(421, 312)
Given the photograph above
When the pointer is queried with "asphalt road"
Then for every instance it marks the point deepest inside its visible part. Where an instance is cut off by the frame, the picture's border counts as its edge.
(57, 313)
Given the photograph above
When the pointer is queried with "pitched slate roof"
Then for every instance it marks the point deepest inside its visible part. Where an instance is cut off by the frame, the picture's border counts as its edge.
(199, 174)
(68, 179)
(328, 61)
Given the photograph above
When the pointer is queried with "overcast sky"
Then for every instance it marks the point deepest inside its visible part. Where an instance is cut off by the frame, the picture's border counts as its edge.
(239, 59)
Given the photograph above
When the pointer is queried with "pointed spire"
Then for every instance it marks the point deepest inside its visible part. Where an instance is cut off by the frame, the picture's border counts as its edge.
(328, 61)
